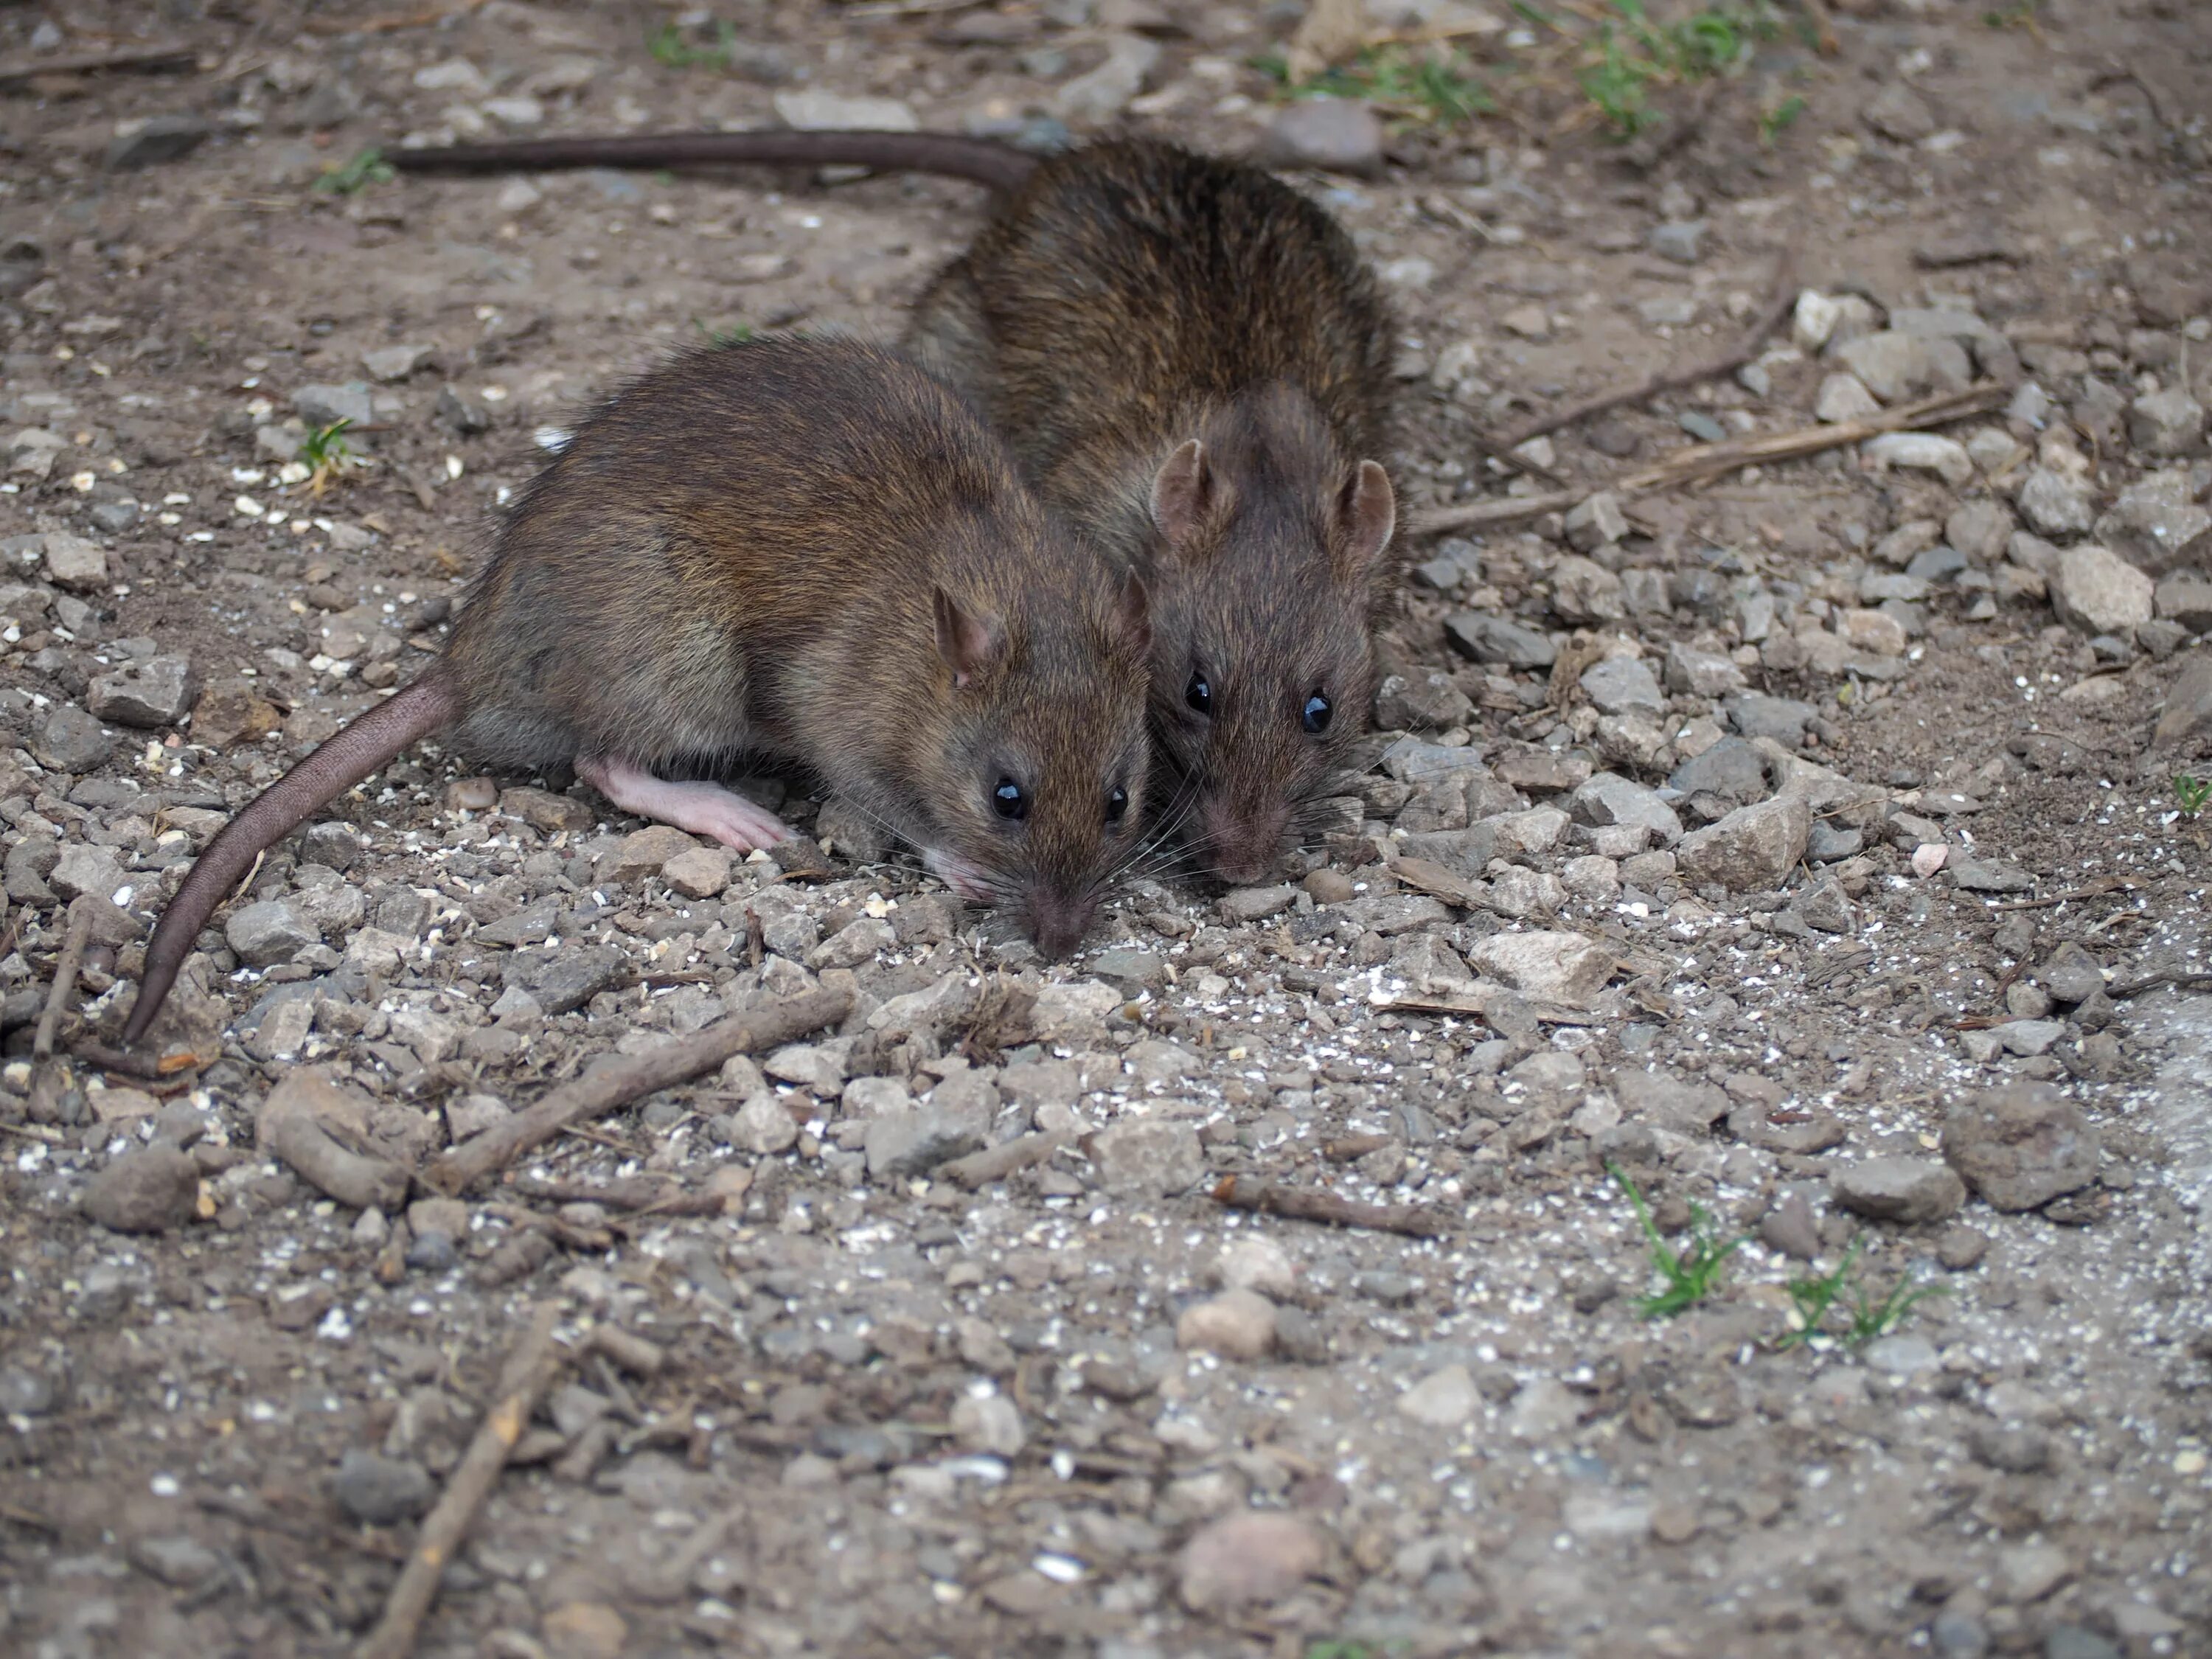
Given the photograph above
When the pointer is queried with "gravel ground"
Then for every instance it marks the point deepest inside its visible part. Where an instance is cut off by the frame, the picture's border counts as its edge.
(1804, 847)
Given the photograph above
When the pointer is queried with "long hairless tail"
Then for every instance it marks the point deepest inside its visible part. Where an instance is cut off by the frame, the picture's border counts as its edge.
(362, 748)
(986, 162)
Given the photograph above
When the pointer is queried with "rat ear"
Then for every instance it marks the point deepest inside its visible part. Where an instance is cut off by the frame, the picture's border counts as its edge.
(969, 643)
(1133, 619)
(1366, 517)
(1184, 492)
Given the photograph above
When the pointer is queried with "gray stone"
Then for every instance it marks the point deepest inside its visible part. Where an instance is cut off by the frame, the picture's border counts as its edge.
(1755, 715)
(1443, 1399)
(161, 138)
(1974, 874)
(1732, 769)
(1146, 967)
(396, 362)
(177, 1561)
(26, 1393)
(1622, 685)
(1906, 1190)
(1249, 1556)
(71, 740)
(1554, 967)
(1897, 366)
(149, 1190)
(1426, 700)
(1147, 1157)
(1332, 135)
(1701, 674)
(2097, 591)
(1681, 240)
(269, 931)
(902, 1144)
(1668, 1102)
(75, 563)
(1585, 590)
(2185, 599)
(1498, 639)
(2071, 974)
(2055, 505)
(1238, 1324)
(567, 978)
(1898, 113)
(1103, 93)
(381, 1492)
(855, 943)
(1979, 530)
(150, 692)
(1411, 760)
(1596, 522)
(1608, 798)
(2029, 1037)
(1752, 848)
(2158, 524)
(322, 406)
(2169, 422)
(84, 869)
(1843, 398)
(1244, 904)
(2188, 704)
(2022, 1145)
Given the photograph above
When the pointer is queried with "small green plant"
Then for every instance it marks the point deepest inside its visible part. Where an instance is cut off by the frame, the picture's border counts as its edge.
(326, 455)
(1871, 1318)
(345, 177)
(1774, 123)
(1435, 88)
(1634, 53)
(2019, 16)
(1692, 1273)
(671, 50)
(735, 334)
(2191, 793)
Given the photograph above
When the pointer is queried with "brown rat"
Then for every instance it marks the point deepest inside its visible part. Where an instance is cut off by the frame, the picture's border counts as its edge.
(791, 548)
(1191, 361)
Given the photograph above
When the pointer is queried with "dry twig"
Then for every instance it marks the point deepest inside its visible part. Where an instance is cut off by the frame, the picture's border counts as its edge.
(530, 1371)
(65, 972)
(997, 1163)
(1301, 1204)
(96, 63)
(616, 1080)
(1696, 461)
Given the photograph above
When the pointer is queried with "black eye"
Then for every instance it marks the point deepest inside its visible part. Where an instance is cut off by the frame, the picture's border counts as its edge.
(1009, 799)
(1117, 803)
(1317, 712)
(1199, 694)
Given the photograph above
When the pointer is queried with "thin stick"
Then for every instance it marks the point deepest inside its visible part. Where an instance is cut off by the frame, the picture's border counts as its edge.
(2096, 889)
(1696, 461)
(1300, 1203)
(616, 1081)
(97, 62)
(530, 1371)
(65, 972)
(1779, 300)
(2135, 988)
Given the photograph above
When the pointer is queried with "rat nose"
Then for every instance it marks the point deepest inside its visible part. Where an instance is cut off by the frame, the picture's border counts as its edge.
(1059, 920)
(1241, 843)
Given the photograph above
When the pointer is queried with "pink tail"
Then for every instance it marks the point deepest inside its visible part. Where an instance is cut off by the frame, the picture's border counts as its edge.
(362, 748)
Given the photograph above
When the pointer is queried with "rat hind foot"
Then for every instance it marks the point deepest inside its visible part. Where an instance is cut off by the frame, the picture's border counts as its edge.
(704, 809)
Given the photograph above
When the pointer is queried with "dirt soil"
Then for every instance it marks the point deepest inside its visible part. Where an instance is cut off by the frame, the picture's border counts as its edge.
(1925, 885)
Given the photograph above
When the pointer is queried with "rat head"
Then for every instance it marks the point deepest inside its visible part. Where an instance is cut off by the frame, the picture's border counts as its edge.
(1044, 755)
(1269, 558)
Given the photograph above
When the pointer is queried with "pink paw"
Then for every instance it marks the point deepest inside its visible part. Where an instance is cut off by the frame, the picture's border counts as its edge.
(737, 822)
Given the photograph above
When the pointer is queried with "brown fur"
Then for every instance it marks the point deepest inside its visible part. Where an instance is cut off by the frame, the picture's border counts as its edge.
(1125, 298)
(758, 551)
(1128, 297)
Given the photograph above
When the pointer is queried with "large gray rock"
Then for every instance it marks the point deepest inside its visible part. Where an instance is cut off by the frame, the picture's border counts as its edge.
(1907, 1189)
(321, 406)
(566, 978)
(1732, 769)
(1556, 967)
(71, 740)
(1668, 1101)
(270, 931)
(1623, 685)
(1701, 674)
(153, 692)
(2169, 422)
(2158, 524)
(159, 138)
(1608, 797)
(2055, 505)
(83, 868)
(2097, 591)
(1498, 639)
(2188, 705)
(2022, 1145)
(75, 563)
(149, 1190)
(1752, 848)
(1896, 366)
(901, 1145)
(1147, 1157)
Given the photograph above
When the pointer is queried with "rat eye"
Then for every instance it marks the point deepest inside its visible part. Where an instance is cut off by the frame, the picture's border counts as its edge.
(1009, 799)
(1199, 694)
(1117, 803)
(1316, 713)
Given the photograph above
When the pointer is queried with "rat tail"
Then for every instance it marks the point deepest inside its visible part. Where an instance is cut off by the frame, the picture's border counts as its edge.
(363, 747)
(982, 160)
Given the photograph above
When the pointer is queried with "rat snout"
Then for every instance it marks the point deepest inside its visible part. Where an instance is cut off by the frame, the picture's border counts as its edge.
(1058, 919)
(1241, 841)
